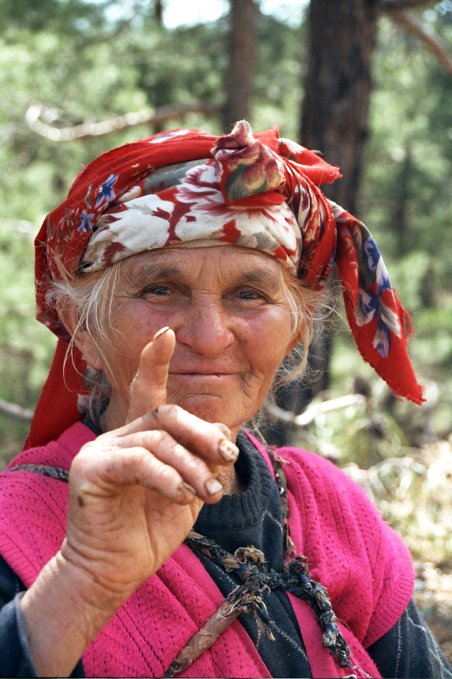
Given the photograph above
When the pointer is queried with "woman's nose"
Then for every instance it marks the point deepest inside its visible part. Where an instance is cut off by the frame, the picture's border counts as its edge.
(207, 328)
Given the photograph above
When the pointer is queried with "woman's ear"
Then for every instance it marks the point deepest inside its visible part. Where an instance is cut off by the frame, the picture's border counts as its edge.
(68, 314)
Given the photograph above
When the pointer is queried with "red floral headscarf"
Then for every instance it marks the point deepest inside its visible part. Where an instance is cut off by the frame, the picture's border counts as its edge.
(259, 191)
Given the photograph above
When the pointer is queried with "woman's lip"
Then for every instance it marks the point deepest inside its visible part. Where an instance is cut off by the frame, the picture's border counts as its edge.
(198, 373)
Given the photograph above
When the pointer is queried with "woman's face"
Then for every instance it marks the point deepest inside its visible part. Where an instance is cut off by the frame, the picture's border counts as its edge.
(231, 319)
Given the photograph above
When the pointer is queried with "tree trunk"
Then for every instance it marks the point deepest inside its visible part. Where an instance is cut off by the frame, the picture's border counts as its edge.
(335, 110)
(242, 51)
(334, 121)
(338, 86)
(158, 12)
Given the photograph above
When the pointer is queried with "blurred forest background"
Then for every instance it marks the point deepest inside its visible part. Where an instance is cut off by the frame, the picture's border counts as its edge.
(368, 83)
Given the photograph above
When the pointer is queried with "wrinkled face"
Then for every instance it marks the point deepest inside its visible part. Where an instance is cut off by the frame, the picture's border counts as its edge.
(232, 322)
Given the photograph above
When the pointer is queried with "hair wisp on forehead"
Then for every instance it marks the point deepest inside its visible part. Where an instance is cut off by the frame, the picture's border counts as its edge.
(92, 299)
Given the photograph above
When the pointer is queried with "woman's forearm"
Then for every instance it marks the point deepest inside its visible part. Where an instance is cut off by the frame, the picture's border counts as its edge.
(63, 611)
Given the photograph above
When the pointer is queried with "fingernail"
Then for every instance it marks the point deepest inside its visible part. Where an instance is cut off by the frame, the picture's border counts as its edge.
(228, 451)
(213, 486)
(161, 332)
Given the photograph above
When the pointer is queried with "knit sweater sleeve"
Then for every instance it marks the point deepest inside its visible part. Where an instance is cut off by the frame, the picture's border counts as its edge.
(364, 564)
(15, 658)
(410, 650)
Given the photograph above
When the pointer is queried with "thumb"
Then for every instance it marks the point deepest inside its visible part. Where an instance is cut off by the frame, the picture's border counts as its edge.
(148, 388)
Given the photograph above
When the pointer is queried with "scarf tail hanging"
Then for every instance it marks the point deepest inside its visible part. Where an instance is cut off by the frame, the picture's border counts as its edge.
(260, 191)
(380, 325)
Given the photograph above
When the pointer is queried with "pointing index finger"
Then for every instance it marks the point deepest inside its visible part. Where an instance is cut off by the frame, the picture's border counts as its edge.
(148, 388)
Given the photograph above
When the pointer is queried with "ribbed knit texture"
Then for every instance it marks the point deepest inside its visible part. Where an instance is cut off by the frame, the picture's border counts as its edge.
(254, 517)
(363, 563)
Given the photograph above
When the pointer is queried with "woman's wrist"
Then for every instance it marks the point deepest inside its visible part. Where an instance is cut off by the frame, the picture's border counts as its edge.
(63, 611)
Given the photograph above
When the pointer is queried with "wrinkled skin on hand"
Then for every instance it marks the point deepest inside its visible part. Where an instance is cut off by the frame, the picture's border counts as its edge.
(136, 491)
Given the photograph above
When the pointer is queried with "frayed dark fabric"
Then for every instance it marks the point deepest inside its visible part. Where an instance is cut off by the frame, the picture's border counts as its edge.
(257, 577)
(52, 472)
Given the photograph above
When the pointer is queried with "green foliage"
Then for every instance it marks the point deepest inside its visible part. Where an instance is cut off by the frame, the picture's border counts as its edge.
(405, 199)
(407, 183)
(413, 495)
(89, 60)
(359, 434)
(278, 79)
(24, 346)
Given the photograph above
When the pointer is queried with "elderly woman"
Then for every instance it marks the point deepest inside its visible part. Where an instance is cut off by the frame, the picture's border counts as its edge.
(144, 531)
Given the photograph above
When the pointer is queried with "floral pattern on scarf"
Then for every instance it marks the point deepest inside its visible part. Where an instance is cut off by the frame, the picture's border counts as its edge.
(192, 210)
(258, 191)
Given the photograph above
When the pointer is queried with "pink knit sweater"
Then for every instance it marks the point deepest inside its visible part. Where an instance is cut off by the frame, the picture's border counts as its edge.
(362, 562)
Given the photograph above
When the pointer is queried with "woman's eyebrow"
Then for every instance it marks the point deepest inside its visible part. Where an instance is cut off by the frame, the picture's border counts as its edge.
(259, 277)
(144, 274)
(149, 272)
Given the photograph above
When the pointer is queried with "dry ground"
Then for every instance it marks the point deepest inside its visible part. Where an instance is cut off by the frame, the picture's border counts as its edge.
(414, 495)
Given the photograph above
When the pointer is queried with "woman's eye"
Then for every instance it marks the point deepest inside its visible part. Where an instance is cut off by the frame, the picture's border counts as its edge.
(251, 295)
(159, 290)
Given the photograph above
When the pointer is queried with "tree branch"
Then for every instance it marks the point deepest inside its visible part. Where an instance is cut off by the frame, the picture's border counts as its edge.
(433, 43)
(397, 5)
(97, 129)
(315, 409)
(15, 410)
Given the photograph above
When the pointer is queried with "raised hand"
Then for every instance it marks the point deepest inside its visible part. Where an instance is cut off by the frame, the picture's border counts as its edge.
(134, 494)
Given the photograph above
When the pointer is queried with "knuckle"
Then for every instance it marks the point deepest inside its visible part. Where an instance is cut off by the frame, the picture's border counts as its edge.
(156, 437)
(224, 430)
(171, 409)
(165, 478)
(193, 464)
(165, 411)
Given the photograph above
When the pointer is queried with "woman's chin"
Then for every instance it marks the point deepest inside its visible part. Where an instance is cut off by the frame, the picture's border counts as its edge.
(210, 407)
(202, 405)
